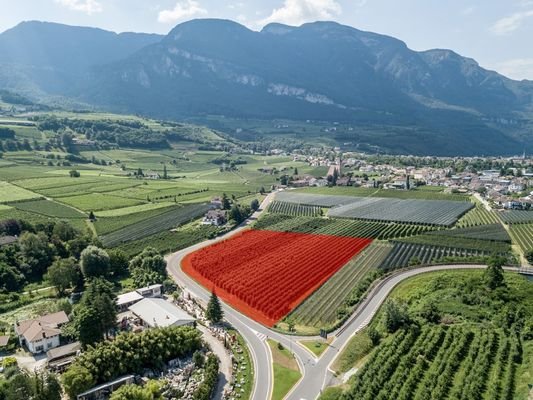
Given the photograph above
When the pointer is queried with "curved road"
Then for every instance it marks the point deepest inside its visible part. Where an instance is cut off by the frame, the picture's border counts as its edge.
(315, 372)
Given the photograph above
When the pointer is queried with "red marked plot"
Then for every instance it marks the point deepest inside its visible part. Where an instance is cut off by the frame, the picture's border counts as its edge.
(266, 274)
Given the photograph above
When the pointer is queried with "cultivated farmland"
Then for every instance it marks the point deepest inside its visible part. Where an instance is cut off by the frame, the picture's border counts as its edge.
(402, 253)
(344, 289)
(478, 216)
(158, 223)
(99, 201)
(299, 210)
(316, 199)
(11, 193)
(424, 364)
(49, 208)
(523, 235)
(339, 227)
(428, 212)
(266, 274)
(517, 217)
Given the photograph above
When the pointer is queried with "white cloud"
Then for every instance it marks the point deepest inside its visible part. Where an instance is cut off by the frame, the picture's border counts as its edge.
(511, 23)
(518, 68)
(89, 7)
(183, 9)
(296, 12)
(468, 11)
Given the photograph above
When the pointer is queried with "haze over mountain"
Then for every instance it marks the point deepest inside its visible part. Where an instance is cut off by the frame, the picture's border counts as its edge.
(431, 102)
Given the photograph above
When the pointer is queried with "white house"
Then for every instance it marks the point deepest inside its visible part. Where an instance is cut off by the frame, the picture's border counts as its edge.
(125, 300)
(42, 333)
(154, 313)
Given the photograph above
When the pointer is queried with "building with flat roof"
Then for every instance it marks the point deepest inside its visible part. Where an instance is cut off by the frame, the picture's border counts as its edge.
(159, 313)
(124, 301)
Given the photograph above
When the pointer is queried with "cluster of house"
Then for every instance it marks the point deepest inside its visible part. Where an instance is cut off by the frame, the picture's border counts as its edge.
(139, 309)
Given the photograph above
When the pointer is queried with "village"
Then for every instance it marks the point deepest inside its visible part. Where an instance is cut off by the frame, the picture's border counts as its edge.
(503, 188)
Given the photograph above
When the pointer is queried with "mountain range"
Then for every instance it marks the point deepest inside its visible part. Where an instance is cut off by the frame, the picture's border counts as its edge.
(378, 91)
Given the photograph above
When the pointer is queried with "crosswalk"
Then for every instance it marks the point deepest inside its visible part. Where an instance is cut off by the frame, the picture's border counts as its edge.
(262, 337)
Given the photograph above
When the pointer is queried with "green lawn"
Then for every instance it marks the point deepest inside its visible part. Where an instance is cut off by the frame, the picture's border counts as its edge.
(286, 371)
(317, 347)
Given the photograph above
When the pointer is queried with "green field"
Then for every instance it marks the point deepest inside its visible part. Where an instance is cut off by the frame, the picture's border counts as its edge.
(11, 193)
(121, 212)
(99, 201)
(156, 224)
(50, 209)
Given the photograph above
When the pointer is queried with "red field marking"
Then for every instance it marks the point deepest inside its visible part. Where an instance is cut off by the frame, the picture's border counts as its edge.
(266, 274)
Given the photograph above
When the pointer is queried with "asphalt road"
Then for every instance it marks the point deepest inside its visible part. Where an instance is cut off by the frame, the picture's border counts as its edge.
(315, 372)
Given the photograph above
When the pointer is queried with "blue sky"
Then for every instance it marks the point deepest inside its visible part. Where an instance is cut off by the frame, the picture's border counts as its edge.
(497, 33)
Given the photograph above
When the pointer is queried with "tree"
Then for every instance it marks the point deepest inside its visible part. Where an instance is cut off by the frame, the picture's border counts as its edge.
(214, 311)
(529, 256)
(148, 268)
(374, 336)
(10, 227)
(151, 391)
(11, 279)
(36, 252)
(494, 273)
(85, 323)
(74, 174)
(225, 202)
(295, 171)
(430, 313)
(198, 359)
(92, 218)
(77, 245)
(64, 231)
(94, 262)
(236, 214)
(118, 262)
(76, 380)
(254, 205)
(395, 316)
(165, 176)
(100, 297)
(63, 274)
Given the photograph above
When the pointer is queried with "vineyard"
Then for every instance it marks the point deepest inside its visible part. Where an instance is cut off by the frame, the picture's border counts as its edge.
(49, 209)
(452, 346)
(428, 212)
(460, 243)
(492, 232)
(517, 217)
(320, 200)
(266, 274)
(523, 235)
(158, 223)
(339, 227)
(402, 253)
(293, 209)
(336, 298)
(439, 363)
(478, 216)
